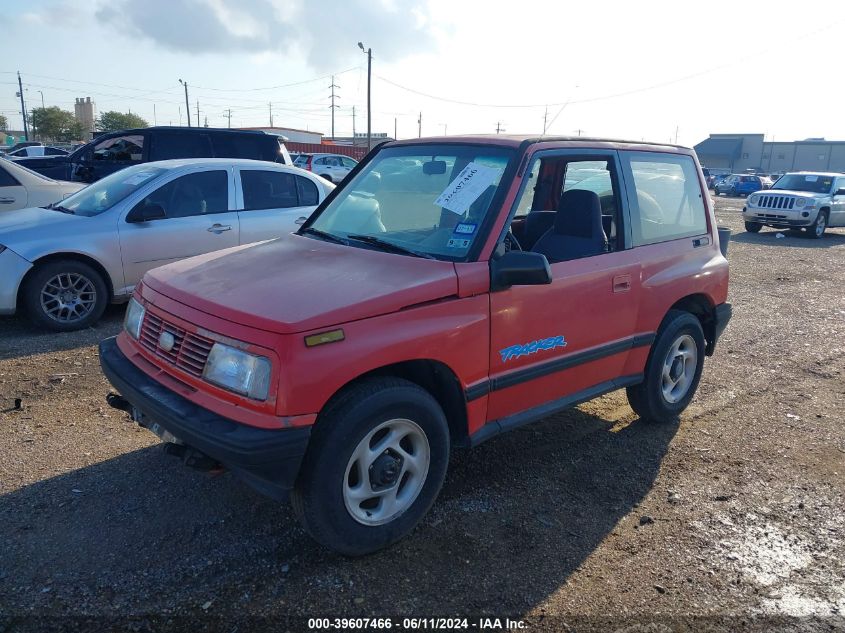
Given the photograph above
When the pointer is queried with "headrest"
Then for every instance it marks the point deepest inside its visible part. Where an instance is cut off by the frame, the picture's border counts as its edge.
(578, 214)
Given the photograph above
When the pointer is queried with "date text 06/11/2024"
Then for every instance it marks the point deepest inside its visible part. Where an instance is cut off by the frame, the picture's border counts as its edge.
(415, 624)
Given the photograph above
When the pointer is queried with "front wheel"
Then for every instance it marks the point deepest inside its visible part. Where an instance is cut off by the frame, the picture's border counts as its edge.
(376, 462)
(65, 295)
(753, 227)
(672, 371)
(816, 229)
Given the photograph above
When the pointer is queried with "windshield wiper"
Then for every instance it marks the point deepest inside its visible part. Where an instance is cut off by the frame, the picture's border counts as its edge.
(58, 207)
(323, 235)
(388, 246)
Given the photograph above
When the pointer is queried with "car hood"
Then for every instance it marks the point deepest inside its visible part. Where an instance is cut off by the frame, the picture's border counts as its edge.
(24, 224)
(296, 283)
(798, 194)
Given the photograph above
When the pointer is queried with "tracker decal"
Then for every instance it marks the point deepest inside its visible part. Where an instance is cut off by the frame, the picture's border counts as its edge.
(515, 351)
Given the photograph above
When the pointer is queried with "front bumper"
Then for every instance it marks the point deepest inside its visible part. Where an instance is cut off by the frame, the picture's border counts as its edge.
(13, 267)
(266, 459)
(779, 217)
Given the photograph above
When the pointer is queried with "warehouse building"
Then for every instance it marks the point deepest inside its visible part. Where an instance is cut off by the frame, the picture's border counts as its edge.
(736, 153)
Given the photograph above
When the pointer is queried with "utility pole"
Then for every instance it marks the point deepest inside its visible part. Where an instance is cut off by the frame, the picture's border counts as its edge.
(198, 113)
(395, 137)
(23, 109)
(271, 113)
(353, 125)
(545, 117)
(445, 126)
(499, 127)
(155, 120)
(419, 123)
(676, 135)
(229, 117)
(369, 52)
(333, 106)
(187, 107)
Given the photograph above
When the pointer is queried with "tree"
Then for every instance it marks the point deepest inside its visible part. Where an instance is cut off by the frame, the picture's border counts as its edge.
(56, 124)
(113, 121)
(4, 122)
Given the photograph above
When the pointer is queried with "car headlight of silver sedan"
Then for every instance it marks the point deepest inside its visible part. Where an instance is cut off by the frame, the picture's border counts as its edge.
(134, 318)
(238, 371)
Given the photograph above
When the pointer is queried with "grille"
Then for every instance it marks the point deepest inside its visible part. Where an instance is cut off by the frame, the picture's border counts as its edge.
(189, 352)
(776, 202)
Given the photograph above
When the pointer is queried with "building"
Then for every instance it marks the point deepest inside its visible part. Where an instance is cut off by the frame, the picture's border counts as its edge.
(291, 134)
(83, 111)
(737, 153)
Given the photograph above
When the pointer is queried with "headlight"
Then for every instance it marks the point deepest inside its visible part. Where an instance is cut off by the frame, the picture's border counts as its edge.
(238, 371)
(800, 202)
(754, 200)
(134, 318)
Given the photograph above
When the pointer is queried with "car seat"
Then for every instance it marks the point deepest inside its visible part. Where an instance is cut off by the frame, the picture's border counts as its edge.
(577, 229)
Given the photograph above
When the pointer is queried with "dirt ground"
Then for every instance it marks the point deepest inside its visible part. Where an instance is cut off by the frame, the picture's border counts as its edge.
(589, 520)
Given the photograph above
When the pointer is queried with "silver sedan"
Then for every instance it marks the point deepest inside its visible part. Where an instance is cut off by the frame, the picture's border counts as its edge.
(64, 262)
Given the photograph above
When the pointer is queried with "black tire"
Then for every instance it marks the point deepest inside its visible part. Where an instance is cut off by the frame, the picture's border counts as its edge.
(732, 191)
(753, 227)
(816, 229)
(37, 282)
(318, 498)
(647, 399)
(327, 177)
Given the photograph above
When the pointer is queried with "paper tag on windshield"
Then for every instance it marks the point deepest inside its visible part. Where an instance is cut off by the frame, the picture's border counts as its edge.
(811, 178)
(467, 187)
(138, 178)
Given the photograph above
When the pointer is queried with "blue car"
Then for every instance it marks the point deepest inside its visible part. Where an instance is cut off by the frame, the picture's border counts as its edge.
(738, 185)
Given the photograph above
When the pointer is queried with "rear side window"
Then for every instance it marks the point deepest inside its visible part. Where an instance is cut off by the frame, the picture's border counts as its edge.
(348, 162)
(253, 146)
(667, 202)
(308, 194)
(167, 146)
(268, 190)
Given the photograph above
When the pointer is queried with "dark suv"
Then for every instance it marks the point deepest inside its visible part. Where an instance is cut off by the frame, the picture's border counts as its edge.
(113, 151)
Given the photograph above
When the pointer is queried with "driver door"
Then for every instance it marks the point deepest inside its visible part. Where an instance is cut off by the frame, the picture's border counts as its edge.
(200, 217)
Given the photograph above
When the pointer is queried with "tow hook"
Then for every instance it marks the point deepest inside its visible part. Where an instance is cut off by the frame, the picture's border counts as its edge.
(192, 457)
(116, 401)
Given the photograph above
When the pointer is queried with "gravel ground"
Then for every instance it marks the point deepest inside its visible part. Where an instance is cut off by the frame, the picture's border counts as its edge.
(593, 520)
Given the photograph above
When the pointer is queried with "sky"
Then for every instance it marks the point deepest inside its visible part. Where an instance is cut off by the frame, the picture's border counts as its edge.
(647, 70)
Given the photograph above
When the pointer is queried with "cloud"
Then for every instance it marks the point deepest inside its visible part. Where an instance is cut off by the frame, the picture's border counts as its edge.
(325, 32)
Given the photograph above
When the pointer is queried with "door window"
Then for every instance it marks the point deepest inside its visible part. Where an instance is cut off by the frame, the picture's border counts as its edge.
(268, 189)
(167, 146)
(307, 190)
(6, 179)
(202, 193)
(120, 149)
(668, 203)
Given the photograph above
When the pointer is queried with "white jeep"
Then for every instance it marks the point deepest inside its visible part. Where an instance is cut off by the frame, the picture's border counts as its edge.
(801, 200)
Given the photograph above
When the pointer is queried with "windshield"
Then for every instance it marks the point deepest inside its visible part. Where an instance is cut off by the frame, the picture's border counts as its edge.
(105, 193)
(812, 183)
(428, 199)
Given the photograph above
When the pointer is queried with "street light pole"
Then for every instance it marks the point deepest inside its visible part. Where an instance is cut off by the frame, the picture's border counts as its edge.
(369, 52)
(187, 107)
(23, 109)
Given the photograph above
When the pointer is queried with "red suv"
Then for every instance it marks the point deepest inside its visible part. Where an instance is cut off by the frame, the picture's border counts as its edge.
(451, 289)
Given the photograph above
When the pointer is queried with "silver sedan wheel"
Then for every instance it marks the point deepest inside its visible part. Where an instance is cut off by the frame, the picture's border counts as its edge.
(386, 472)
(68, 297)
(679, 368)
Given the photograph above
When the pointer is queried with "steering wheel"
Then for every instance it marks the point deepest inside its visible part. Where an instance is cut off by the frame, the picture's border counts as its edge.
(511, 243)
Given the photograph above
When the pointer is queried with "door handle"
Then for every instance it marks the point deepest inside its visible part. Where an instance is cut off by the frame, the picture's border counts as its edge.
(622, 283)
(218, 228)
(300, 220)
(6, 200)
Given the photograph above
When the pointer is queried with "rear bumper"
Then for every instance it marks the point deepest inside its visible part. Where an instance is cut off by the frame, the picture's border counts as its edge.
(721, 316)
(268, 460)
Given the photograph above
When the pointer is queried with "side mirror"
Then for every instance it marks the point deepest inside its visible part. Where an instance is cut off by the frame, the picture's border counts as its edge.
(519, 268)
(146, 213)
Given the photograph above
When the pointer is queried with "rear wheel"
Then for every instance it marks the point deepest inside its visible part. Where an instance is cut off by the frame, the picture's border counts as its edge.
(65, 295)
(753, 227)
(816, 229)
(375, 464)
(672, 371)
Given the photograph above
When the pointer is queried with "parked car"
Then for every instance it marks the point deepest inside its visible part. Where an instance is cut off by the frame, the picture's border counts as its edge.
(766, 181)
(812, 201)
(114, 151)
(332, 167)
(21, 187)
(66, 261)
(19, 145)
(37, 150)
(738, 185)
(429, 309)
